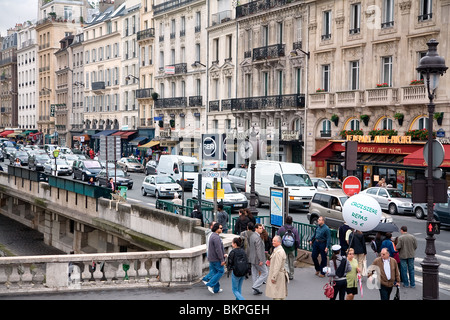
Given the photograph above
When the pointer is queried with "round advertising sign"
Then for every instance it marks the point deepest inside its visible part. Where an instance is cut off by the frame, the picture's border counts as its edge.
(362, 212)
(351, 186)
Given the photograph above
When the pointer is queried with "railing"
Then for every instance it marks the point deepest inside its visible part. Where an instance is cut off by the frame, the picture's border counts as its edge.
(99, 85)
(180, 102)
(414, 94)
(268, 102)
(145, 34)
(195, 101)
(214, 105)
(381, 96)
(221, 17)
(169, 5)
(258, 6)
(269, 52)
(144, 93)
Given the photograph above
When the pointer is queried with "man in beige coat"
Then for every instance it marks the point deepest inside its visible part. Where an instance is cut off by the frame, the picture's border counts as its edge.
(276, 287)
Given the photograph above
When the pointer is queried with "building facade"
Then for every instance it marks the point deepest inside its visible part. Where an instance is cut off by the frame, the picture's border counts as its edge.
(8, 81)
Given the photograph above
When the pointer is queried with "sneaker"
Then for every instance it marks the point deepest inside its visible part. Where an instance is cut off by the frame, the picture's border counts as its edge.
(321, 276)
(205, 282)
(210, 289)
(256, 291)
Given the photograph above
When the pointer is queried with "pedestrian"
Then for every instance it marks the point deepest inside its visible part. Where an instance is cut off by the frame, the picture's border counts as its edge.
(343, 235)
(286, 232)
(216, 257)
(387, 271)
(320, 242)
(91, 181)
(198, 214)
(352, 275)
(389, 245)
(176, 199)
(241, 222)
(249, 214)
(358, 243)
(256, 257)
(267, 243)
(381, 183)
(237, 265)
(111, 185)
(407, 245)
(339, 267)
(278, 278)
(17, 162)
(222, 217)
(208, 234)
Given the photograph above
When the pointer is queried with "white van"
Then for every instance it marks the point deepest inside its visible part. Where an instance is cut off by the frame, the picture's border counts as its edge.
(281, 174)
(232, 198)
(171, 165)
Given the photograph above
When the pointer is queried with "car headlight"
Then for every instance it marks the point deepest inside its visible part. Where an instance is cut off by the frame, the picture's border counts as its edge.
(405, 204)
(88, 172)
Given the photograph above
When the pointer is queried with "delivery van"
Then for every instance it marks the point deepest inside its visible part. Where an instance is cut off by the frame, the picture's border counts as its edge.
(172, 165)
(281, 174)
(232, 196)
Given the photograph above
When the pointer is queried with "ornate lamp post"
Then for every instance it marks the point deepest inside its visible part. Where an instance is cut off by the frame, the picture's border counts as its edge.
(432, 67)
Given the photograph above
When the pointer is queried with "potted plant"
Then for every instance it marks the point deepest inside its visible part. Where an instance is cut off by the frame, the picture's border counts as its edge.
(172, 123)
(382, 85)
(438, 116)
(416, 82)
(320, 90)
(399, 116)
(52, 15)
(161, 123)
(365, 118)
(335, 119)
(155, 96)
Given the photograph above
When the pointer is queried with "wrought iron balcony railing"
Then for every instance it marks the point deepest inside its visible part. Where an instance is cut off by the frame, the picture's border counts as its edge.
(258, 6)
(195, 101)
(146, 34)
(269, 52)
(99, 85)
(144, 93)
(267, 102)
(179, 102)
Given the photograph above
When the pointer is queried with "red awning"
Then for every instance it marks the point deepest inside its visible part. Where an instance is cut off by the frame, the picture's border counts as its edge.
(124, 134)
(416, 158)
(327, 151)
(6, 132)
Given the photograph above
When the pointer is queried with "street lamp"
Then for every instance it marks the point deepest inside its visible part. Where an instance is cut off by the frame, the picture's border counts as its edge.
(432, 67)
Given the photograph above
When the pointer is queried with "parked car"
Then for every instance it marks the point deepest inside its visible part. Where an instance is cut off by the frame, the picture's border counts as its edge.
(238, 176)
(36, 161)
(85, 169)
(150, 167)
(2, 156)
(160, 186)
(421, 209)
(61, 167)
(7, 151)
(441, 213)
(22, 155)
(329, 204)
(130, 164)
(120, 177)
(326, 184)
(391, 199)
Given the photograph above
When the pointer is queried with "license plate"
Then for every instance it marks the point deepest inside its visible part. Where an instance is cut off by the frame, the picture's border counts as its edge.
(238, 205)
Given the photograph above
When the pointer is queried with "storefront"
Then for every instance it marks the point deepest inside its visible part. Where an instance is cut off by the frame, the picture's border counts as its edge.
(380, 158)
(126, 137)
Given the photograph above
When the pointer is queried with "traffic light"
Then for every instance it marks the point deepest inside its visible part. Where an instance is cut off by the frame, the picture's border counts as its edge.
(433, 227)
(350, 155)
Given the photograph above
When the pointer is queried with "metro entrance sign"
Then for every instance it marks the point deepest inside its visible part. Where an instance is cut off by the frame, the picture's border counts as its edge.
(351, 186)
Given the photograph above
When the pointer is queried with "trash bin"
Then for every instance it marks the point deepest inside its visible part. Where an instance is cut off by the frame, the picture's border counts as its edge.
(123, 192)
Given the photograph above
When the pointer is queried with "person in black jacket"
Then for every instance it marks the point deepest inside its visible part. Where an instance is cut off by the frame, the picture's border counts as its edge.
(237, 273)
(197, 214)
(241, 222)
(358, 243)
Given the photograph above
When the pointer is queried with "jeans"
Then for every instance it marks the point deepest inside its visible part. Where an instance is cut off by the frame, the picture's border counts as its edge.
(259, 279)
(209, 275)
(289, 266)
(319, 248)
(407, 267)
(340, 287)
(236, 286)
(218, 271)
(385, 292)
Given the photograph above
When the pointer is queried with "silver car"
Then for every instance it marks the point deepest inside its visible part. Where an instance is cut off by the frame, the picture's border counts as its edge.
(238, 176)
(326, 184)
(391, 199)
(160, 186)
(130, 164)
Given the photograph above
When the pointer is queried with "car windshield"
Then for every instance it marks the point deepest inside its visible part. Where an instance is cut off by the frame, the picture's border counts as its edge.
(164, 180)
(230, 188)
(297, 180)
(397, 193)
(42, 157)
(93, 164)
(343, 199)
(334, 184)
(61, 162)
(189, 168)
(21, 153)
(132, 161)
(120, 173)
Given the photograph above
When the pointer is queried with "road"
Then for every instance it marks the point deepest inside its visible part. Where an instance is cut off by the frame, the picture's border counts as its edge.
(415, 227)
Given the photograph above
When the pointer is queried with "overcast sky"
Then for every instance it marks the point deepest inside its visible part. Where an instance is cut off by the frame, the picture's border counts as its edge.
(16, 11)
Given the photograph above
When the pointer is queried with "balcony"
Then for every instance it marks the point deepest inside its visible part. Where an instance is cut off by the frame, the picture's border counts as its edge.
(258, 7)
(221, 17)
(168, 103)
(381, 96)
(269, 52)
(169, 5)
(280, 102)
(416, 94)
(352, 98)
(195, 101)
(179, 68)
(214, 106)
(144, 93)
(98, 86)
(146, 34)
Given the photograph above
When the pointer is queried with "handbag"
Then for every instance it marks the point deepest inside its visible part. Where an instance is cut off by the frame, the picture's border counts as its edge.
(397, 294)
(329, 289)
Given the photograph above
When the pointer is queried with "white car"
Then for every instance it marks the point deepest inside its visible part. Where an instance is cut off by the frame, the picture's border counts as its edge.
(160, 186)
(326, 184)
(391, 199)
(61, 167)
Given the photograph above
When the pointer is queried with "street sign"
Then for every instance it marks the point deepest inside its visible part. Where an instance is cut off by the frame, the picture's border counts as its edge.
(209, 193)
(210, 147)
(351, 186)
(110, 148)
(438, 153)
(433, 227)
(278, 205)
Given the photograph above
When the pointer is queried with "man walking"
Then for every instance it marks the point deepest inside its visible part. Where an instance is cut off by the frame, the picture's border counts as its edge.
(256, 256)
(216, 258)
(388, 274)
(320, 242)
(276, 287)
(290, 243)
(407, 245)
(222, 217)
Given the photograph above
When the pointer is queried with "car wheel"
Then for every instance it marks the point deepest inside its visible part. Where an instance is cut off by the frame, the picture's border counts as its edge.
(143, 192)
(419, 213)
(313, 220)
(83, 177)
(258, 203)
(393, 209)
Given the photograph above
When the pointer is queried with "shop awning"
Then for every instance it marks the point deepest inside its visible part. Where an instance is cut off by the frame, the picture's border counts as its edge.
(124, 134)
(6, 132)
(103, 133)
(149, 144)
(325, 152)
(13, 134)
(416, 158)
(137, 140)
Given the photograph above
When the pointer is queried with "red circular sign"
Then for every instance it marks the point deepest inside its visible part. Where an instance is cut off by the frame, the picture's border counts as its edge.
(351, 186)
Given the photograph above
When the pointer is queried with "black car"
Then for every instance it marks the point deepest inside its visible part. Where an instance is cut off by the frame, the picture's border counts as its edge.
(150, 167)
(86, 169)
(122, 178)
(22, 155)
(36, 161)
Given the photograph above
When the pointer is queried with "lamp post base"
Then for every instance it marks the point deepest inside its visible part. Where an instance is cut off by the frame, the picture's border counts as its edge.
(430, 272)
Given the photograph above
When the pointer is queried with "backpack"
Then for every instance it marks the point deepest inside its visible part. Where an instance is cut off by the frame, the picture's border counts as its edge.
(340, 271)
(240, 263)
(288, 239)
(373, 245)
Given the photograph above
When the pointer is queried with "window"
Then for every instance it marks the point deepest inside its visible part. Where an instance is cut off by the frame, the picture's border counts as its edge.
(420, 55)
(354, 124)
(425, 11)
(326, 34)
(298, 81)
(388, 14)
(265, 36)
(280, 82)
(197, 52)
(198, 21)
(422, 123)
(265, 78)
(354, 75)
(248, 85)
(355, 18)
(67, 13)
(386, 124)
(280, 32)
(326, 128)
(386, 72)
(326, 77)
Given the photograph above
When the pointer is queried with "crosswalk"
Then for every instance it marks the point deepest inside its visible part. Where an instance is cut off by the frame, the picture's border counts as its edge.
(444, 269)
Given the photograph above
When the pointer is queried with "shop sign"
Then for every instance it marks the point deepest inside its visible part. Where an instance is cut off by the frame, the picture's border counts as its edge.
(380, 139)
(289, 135)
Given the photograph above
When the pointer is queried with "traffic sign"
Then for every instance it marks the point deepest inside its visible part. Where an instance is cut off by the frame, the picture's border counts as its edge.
(210, 146)
(438, 153)
(433, 227)
(351, 186)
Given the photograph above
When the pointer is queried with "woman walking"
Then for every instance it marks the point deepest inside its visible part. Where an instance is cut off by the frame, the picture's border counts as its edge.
(339, 267)
(352, 276)
(238, 267)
